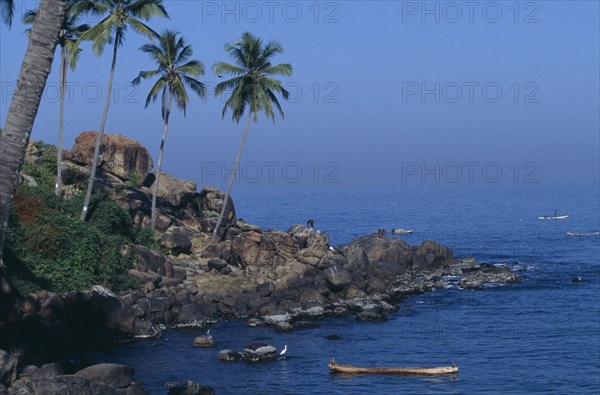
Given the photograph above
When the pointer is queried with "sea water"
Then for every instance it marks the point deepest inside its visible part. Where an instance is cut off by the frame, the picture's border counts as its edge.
(539, 336)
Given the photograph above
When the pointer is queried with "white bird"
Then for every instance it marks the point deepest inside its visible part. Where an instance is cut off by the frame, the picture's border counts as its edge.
(284, 350)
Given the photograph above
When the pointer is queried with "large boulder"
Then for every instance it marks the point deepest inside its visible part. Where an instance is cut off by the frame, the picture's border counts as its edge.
(170, 189)
(121, 156)
(111, 374)
(177, 240)
(383, 249)
(212, 201)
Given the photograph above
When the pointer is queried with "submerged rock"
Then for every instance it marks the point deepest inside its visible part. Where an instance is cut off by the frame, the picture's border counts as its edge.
(190, 388)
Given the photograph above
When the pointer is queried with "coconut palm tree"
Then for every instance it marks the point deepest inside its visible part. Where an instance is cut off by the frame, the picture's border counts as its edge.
(175, 71)
(23, 109)
(119, 16)
(7, 10)
(253, 88)
(69, 54)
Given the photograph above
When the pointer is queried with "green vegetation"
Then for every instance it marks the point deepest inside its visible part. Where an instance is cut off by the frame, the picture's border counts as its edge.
(47, 247)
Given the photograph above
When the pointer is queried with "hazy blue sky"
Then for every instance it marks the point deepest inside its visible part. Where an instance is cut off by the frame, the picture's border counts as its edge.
(382, 91)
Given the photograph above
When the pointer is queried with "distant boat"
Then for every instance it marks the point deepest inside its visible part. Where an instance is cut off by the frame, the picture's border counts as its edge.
(401, 231)
(555, 216)
(334, 367)
(583, 234)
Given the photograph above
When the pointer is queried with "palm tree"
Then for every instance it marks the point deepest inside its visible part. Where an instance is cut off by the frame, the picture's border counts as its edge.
(23, 109)
(8, 11)
(175, 72)
(252, 86)
(69, 54)
(120, 16)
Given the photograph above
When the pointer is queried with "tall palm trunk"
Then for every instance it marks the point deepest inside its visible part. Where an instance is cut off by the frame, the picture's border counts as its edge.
(23, 109)
(61, 117)
(160, 158)
(235, 168)
(90, 187)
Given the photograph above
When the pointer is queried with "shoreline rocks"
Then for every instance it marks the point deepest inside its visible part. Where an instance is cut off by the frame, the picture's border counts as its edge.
(286, 279)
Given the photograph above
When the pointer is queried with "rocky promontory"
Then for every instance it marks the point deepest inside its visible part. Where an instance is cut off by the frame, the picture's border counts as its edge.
(288, 279)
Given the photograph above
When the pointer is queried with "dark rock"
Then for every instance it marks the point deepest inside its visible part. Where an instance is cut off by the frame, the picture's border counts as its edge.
(337, 278)
(385, 271)
(265, 288)
(177, 239)
(371, 316)
(113, 375)
(151, 260)
(259, 352)
(217, 263)
(8, 367)
(225, 271)
(393, 250)
(284, 327)
(47, 372)
(171, 189)
(488, 274)
(212, 200)
(204, 341)
(254, 322)
(191, 388)
(230, 356)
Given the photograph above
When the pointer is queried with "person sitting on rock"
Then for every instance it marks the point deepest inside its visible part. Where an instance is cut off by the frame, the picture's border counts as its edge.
(310, 223)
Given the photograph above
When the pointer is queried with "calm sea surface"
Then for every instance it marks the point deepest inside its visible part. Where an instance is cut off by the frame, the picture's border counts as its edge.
(540, 336)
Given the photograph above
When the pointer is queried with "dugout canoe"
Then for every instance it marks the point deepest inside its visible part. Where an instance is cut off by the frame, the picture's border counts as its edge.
(337, 368)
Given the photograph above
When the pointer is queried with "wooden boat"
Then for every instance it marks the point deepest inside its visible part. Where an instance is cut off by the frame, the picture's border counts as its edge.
(554, 217)
(335, 368)
(401, 231)
(583, 234)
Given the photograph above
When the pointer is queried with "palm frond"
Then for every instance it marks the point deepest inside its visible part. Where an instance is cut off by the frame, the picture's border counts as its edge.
(141, 28)
(198, 87)
(29, 17)
(179, 94)
(145, 75)
(153, 94)
(222, 68)
(147, 9)
(7, 9)
(228, 85)
(284, 69)
(100, 34)
(193, 68)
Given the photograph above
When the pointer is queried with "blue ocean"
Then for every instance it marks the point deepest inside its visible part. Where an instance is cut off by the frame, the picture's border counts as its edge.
(539, 336)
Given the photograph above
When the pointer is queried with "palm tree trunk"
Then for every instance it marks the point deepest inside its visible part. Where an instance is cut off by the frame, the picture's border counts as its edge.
(160, 158)
(90, 187)
(61, 116)
(235, 168)
(23, 109)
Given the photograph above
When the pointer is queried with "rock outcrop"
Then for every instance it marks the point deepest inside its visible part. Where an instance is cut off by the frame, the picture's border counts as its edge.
(109, 379)
(121, 156)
